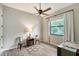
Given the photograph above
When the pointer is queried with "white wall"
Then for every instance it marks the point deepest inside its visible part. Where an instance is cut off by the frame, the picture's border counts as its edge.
(16, 21)
(56, 40)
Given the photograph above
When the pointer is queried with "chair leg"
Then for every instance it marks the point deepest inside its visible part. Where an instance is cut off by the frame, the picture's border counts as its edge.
(37, 41)
(20, 46)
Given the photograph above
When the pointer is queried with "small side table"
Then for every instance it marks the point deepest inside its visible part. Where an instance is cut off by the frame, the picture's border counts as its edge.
(30, 42)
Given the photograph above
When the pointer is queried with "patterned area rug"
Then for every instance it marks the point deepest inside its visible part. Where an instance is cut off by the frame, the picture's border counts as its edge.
(35, 50)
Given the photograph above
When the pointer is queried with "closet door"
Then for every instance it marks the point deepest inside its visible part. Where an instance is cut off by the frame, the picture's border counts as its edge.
(1, 27)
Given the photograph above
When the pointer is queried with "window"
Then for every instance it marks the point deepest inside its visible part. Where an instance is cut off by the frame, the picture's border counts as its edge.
(57, 27)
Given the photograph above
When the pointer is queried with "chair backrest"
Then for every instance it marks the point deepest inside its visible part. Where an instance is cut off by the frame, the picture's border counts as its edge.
(18, 39)
(36, 37)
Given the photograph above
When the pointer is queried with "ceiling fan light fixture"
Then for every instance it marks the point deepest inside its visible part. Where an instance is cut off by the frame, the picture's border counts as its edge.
(40, 11)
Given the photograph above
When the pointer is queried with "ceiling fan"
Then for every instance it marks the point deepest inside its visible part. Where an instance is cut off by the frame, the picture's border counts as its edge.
(40, 11)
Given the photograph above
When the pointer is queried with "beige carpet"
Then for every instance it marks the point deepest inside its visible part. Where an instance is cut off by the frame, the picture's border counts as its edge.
(35, 50)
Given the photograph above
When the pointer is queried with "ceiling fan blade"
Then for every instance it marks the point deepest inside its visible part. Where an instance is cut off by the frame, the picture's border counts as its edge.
(45, 14)
(37, 13)
(36, 9)
(47, 9)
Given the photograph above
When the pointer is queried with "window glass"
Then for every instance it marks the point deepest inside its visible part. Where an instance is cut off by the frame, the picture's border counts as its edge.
(57, 26)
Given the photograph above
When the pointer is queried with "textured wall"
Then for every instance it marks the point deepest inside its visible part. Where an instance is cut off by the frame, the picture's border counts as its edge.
(16, 21)
(1, 27)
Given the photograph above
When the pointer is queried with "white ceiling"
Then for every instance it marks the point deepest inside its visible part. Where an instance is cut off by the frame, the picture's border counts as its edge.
(29, 7)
